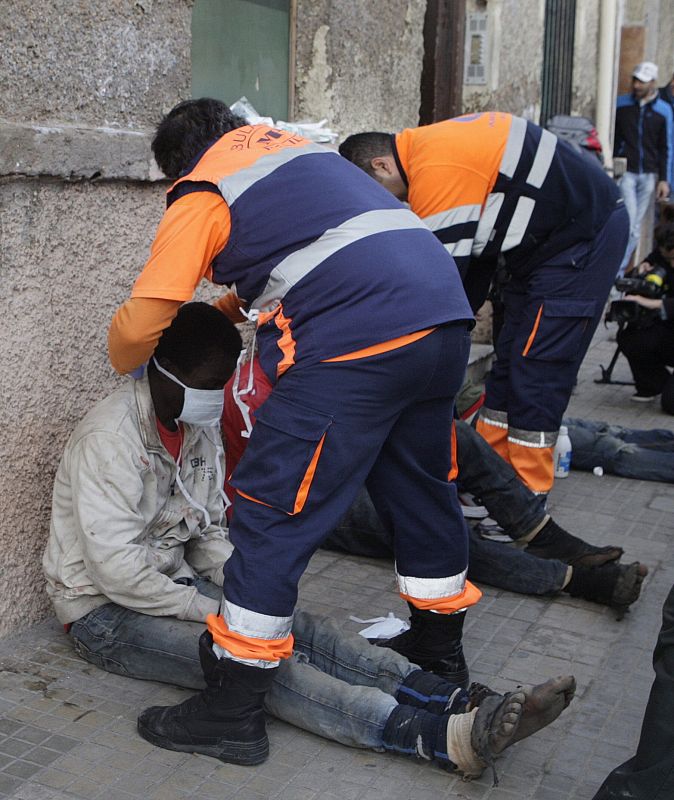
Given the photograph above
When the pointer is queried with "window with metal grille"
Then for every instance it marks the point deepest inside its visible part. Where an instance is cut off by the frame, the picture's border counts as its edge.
(557, 78)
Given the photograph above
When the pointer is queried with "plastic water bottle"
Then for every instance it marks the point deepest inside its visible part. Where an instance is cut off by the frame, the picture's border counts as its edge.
(562, 453)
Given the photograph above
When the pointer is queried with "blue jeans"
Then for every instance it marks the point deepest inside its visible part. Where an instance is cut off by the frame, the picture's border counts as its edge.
(642, 455)
(336, 684)
(637, 190)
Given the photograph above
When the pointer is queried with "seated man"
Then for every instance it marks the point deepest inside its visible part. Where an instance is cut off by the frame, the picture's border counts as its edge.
(551, 561)
(134, 564)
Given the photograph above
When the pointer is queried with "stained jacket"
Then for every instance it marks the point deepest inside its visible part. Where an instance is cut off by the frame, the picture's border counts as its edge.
(121, 529)
(643, 135)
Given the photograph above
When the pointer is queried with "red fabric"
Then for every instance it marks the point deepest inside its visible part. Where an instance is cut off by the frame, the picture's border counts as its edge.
(232, 418)
(171, 439)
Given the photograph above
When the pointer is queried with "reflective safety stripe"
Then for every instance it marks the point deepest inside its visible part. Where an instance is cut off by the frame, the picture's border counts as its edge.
(485, 227)
(431, 588)
(299, 264)
(233, 186)
(448, 605)
(518, 223)
(490, 416)
(532, 438)
(254, 625)
(249, 650)
(513, 148)
(455, 216)
(461, 248)
(544, 155)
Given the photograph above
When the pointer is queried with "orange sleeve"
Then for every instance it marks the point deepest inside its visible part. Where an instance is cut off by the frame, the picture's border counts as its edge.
(136, 328)
(192, 232)
(229, 304)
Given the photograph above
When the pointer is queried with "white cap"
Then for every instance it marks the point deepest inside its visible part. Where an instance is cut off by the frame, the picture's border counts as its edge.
(646, 71)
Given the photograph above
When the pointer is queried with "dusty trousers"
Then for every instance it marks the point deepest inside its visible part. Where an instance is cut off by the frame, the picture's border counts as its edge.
(383, 420)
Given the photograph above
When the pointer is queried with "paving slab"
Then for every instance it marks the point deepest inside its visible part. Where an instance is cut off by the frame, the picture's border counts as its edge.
(67, 729)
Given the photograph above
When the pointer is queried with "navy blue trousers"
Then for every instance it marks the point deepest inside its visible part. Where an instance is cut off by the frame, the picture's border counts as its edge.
(384, 421)
(572, 287)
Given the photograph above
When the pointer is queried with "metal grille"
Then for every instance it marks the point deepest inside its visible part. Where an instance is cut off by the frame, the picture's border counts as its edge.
(557, 79)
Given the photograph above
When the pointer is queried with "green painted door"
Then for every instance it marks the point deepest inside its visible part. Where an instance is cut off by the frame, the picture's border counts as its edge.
(241, 47)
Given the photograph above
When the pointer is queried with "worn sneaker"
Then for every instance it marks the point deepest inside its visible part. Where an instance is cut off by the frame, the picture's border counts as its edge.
(640, 397)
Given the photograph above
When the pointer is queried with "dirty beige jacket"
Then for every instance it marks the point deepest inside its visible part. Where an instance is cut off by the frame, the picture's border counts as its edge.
(121, 529)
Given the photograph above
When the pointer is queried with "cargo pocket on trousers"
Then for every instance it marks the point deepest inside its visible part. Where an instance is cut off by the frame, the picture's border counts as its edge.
(557, 333)
(278, 466)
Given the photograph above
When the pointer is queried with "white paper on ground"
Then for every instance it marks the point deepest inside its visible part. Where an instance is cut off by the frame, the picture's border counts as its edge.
(382, 627)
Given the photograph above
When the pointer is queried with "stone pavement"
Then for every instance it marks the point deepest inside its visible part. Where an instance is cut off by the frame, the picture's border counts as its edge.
(67, 729)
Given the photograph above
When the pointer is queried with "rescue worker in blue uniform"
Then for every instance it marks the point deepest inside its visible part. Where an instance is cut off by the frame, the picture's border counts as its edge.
(362, 325)
(499, 191)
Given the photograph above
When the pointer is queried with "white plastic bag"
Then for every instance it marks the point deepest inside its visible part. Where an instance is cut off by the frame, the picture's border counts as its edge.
(382, 627)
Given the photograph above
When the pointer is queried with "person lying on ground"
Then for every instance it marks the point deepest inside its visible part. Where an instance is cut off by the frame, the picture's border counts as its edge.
(644, 455)
(550, 561)
(134, 564)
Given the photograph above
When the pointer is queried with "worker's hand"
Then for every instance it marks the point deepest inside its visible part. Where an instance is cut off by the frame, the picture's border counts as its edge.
(646, 302)
(644, 267)
(662, 192)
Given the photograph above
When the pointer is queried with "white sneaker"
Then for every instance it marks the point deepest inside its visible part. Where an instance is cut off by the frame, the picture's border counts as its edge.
(638, 397)
(471, 510)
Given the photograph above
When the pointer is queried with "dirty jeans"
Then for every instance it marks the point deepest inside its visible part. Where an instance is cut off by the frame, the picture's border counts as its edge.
(335, 685)
(649, 775)
(642, 455)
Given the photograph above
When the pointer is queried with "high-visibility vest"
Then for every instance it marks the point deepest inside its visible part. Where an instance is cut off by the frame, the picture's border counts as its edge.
(331, 261)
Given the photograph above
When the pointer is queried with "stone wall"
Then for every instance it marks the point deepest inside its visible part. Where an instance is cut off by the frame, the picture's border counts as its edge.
(359, 63)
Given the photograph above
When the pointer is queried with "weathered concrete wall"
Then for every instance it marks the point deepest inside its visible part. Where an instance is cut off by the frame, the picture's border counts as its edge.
(81, 84)
(585, 59)
(515, 52)
(102, 63)
(359, 63)
(69, 254)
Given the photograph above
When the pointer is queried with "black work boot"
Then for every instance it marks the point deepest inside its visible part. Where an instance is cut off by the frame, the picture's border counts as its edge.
(225, 720)
(433, 642)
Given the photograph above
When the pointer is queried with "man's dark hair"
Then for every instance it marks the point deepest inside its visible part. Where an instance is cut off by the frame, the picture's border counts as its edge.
(361, 148)
(198, 333)
(187, 130)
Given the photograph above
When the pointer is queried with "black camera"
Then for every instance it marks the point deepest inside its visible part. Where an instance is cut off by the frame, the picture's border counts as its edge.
(628, 312)
(651, 284)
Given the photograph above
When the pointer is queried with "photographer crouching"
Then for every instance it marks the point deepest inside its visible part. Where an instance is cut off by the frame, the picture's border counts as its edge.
(647, 338)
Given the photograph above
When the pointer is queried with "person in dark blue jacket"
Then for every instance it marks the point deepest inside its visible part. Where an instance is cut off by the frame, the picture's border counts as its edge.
(643, 135)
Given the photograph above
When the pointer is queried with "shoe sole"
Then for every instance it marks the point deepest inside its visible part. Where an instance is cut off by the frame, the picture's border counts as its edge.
(248, 755)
